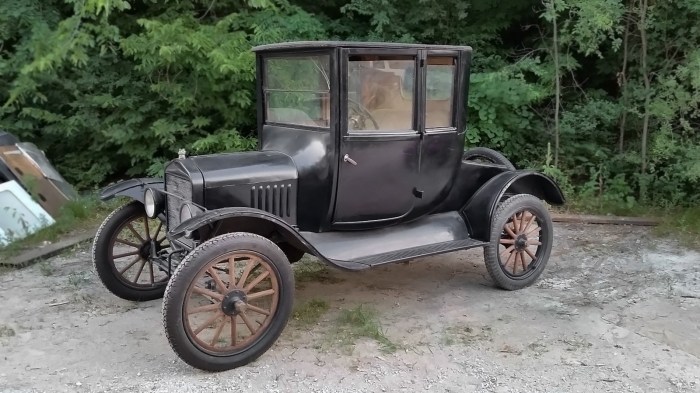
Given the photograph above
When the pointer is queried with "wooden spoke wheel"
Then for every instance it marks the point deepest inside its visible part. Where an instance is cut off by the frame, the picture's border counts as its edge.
(231, 302)
(125, 251)
(521, 242)
(228, 301)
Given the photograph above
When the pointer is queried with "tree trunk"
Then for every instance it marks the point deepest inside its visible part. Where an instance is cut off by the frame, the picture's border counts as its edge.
(557, 88)
(623, 80)
(644, 6)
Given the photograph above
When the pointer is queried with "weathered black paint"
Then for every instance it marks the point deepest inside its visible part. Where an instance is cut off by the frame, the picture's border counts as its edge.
(378, 191)
(311, 153)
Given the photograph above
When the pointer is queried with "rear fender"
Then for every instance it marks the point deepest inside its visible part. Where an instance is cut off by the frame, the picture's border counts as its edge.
(132, 188)
(241, 219)
(481, 207)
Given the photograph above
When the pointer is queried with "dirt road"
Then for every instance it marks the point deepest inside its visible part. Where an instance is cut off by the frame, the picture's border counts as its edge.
(617, 310)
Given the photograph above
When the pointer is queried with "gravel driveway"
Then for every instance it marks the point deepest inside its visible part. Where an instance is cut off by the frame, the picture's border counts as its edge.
(617, 310)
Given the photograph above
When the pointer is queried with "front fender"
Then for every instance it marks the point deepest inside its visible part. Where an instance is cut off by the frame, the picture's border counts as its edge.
(241, 219)
(132, 188)
(481, 207)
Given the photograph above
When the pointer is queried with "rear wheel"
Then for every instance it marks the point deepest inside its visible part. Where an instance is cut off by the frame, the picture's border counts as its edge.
(484, 154)
(123, 253)
(521, 242)
(228, 301)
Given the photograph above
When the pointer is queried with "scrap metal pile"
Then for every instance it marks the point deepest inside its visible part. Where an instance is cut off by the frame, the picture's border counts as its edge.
(32, 192)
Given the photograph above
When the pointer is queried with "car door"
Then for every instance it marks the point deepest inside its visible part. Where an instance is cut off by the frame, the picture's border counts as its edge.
(379, 142)
(443, 126)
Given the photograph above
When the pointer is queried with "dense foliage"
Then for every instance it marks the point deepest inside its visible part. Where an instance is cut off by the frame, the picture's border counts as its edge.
(602, 94)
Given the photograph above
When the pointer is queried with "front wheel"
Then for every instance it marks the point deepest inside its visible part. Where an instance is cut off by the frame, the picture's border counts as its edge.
(125, 250)
(521, 242)
(228, 301)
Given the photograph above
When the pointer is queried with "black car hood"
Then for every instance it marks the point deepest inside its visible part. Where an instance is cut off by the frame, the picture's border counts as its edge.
(221, 170)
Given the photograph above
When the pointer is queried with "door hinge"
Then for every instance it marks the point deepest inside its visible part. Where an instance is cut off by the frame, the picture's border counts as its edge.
(422, 63)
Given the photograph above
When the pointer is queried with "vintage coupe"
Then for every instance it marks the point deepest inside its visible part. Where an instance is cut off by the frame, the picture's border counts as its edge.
(361, 163)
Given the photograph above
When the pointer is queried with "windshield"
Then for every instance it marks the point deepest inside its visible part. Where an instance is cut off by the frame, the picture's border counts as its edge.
(297, 90)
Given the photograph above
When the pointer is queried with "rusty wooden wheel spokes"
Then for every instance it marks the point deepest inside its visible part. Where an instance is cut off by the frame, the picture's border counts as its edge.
(519, 243)
(132, 246)
(231, 302)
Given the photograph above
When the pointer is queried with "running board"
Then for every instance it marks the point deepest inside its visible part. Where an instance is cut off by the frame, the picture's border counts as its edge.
(407, 254)
(356, 250)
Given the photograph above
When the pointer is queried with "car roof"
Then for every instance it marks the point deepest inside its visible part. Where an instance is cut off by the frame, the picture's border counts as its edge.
(284, 46)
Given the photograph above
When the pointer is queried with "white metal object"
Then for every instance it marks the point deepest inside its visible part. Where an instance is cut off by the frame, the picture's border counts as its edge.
(19, 214)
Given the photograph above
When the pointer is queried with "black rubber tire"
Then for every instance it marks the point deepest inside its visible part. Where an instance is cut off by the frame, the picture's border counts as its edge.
(489, 155)
(104, 265)
(189, 269)
(507, 209)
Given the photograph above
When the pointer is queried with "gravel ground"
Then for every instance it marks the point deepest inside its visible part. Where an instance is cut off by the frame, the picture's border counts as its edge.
(617, 310)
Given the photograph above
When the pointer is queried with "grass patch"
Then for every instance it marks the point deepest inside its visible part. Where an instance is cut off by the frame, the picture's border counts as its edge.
(685, 224)
(313, 271)
(85, 212)
(78, 280)
(310, 312)
(682, 223)
(464, 335)
(6, 269)
(362, 322)
(602, 206)
(46, 269)
(6, 331)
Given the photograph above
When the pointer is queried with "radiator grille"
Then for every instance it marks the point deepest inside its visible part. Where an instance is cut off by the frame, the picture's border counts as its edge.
(275, 199)
(181, 187)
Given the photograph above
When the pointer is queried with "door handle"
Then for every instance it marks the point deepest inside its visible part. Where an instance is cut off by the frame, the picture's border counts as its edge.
(347, 158)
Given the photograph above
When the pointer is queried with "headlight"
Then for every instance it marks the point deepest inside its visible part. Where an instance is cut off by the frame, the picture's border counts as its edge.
(185, 212)
(154, 202)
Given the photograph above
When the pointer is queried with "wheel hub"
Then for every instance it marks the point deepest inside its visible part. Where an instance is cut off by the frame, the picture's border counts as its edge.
(520, 242)
(145, 250)
(234, 302)
(149, 249)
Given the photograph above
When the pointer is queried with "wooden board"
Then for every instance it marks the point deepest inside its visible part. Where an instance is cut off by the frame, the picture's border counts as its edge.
(609, 220)
(39, 253)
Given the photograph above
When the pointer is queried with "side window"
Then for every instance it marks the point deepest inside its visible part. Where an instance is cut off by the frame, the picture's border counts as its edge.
(297, 90)
(376, 98)
(439, 91)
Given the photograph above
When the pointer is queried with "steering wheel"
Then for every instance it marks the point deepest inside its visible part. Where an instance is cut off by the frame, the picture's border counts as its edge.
(359, 115)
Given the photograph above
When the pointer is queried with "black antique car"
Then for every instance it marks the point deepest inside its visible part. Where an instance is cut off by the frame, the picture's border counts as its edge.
(361, 163)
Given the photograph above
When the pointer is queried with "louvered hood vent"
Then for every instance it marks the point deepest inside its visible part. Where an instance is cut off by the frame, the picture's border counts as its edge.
(273, 198)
